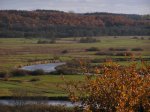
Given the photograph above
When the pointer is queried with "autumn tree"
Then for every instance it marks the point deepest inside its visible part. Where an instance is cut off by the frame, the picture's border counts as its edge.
(113, 88)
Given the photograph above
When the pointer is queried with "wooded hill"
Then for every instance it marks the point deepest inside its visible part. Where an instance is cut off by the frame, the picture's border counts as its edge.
(50, 24)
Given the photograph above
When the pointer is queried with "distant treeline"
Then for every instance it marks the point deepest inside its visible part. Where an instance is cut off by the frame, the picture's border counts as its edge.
(50, 24)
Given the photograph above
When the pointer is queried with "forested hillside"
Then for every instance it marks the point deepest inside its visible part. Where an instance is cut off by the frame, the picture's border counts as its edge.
(51, 24)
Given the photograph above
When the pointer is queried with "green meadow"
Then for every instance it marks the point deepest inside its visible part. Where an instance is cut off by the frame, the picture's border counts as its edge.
(20, 51)
(47, 85)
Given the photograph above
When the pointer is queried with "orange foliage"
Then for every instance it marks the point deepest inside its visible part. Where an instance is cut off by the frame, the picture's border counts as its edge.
(117, 89)
(38, 18)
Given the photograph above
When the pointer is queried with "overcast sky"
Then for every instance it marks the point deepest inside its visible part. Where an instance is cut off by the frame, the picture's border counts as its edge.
(114, 6)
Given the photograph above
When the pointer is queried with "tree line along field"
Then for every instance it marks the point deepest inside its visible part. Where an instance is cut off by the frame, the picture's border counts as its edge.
(20, 51)
(51, 24)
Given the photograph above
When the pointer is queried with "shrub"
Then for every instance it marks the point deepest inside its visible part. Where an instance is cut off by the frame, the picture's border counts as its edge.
(142, 38)
(52, 41)
(104, 53)
(56, 57)
(98, 60)
(136, 49)
(118, 49)
(118, 89)
(111, 49)
(65, 70)
(124, 54)
(64, 51)
(92, 49)
(72, 67)
(38, 72)
(34, 79)
(3, 74)
(134, 37)
(88, 40)
(43, 42)
(19, 72)
(120, 54)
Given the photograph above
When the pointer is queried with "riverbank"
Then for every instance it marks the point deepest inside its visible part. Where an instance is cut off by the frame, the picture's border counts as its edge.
(54, 98)
(37, 108)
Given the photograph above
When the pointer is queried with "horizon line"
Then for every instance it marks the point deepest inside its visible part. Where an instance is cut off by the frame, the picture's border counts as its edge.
(73, 11)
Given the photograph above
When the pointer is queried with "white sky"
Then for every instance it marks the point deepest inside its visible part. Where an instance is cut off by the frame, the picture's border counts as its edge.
(80, 6)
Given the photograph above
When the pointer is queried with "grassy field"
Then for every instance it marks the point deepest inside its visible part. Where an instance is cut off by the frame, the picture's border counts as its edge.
(20, 51)
(47, 85)
(16, 51)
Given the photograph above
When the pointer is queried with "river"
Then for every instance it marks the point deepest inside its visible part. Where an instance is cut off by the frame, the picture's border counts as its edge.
(49, 102)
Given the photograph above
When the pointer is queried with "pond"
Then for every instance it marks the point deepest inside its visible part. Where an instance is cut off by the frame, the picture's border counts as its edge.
(45, 67)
